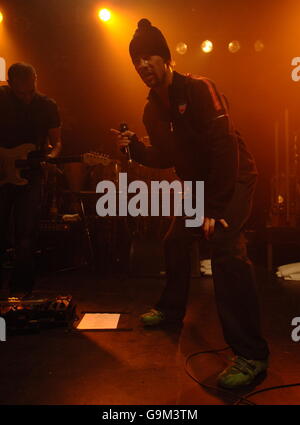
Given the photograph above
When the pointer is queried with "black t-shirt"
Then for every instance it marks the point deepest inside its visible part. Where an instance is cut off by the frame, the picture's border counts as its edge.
(26, 123)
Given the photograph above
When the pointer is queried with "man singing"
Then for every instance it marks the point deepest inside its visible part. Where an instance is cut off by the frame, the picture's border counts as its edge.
(189, 128)
(26, 116)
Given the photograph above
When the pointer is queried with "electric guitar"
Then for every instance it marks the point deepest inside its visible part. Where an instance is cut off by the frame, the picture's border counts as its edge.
(13, 160)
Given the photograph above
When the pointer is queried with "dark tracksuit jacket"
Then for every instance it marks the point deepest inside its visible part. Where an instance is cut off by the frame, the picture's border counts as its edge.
(197, 138)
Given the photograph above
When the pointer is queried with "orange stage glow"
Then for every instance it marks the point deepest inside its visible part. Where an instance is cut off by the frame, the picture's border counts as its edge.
(207, 46)
(1, 17)
(104, 15)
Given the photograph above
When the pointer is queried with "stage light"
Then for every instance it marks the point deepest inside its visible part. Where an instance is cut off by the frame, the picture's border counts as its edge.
(280, 199)
(181, 48)
(207, 46)
(104, 15)
(259, 46)
(1, 17)
(234, 46)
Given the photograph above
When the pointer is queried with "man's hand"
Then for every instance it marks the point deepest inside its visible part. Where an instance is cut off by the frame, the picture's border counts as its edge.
(209, 226)
(124, 138)
(54, 135)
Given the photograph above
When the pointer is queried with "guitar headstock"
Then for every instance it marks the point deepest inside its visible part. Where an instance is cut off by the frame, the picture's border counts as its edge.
(95, 158)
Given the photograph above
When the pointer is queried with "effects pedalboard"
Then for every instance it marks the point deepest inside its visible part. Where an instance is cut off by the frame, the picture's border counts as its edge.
(37, 313)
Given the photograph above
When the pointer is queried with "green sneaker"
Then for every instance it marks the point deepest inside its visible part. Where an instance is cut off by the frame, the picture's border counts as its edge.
(242, 372)
(152, 317)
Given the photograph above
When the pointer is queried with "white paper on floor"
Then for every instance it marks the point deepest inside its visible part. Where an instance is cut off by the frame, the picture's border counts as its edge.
(289, 271)
(205, 267)
(99, 321)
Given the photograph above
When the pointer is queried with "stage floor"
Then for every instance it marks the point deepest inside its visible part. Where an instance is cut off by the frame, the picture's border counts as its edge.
(144, 366)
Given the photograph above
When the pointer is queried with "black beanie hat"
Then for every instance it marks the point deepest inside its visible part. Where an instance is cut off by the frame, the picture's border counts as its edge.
(148, 40)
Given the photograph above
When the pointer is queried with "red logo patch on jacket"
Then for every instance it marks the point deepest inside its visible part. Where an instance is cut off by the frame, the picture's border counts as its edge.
(182, 108)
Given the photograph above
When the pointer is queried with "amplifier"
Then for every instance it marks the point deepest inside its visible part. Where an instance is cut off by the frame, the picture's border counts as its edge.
(54, 226)
(60, 246)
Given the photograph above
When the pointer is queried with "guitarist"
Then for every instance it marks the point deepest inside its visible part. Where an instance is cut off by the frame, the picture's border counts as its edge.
(26, 116)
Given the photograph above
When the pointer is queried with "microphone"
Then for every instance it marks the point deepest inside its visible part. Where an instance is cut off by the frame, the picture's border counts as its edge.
(124, 127)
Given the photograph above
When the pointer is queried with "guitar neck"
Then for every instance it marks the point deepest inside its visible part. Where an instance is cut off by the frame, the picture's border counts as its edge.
(33, 157)
(65, 159)
(59, 160)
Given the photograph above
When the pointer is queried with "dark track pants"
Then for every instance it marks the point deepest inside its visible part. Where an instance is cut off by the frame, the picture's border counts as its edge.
(23, 204)
(233, 275)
